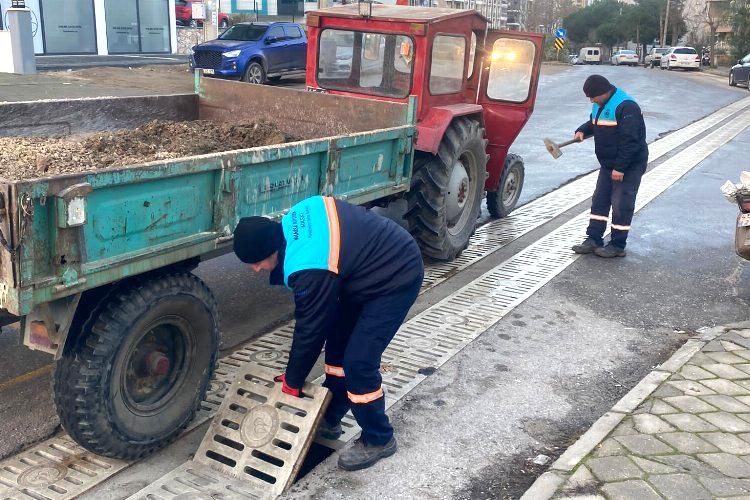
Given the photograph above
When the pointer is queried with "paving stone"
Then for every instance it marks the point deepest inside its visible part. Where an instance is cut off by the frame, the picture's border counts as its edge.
(625, 428)
(726, 371)
(736, 339)
(728, 443)
(693, 372)
(713, 346)
(745, 353)
(651, 424)
(659, 407)
(679, 487)
(692, 388)
(667, 390)
(686, 442)
(582, 477)
(644, 444)
(744, 383)
(689, 423)
(651, 467)
(726, 403)
(727, 464)
(729, 358)
(688, 464)
(725, 487)
(627, 490)
(730, 346)
(609, 448)
(701, 359)
(690, 404)
(726, 387)
(727, 422)
(608, 469)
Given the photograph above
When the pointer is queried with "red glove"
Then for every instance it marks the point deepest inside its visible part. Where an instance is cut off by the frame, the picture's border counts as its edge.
(285, 387)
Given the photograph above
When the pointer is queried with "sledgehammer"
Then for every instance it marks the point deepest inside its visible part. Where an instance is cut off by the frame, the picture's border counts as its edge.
(554, 149)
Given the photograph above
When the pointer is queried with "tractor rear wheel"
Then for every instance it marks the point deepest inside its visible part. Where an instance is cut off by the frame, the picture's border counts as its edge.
(500, 203)
(446, 191)
(140, 366)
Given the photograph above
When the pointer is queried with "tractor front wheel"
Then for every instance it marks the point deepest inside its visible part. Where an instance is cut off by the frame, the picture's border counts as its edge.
(447, 189)
(140, 366)
(500, 203)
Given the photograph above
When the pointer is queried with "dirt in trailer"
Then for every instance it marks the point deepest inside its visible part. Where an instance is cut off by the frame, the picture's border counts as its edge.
(33, 157)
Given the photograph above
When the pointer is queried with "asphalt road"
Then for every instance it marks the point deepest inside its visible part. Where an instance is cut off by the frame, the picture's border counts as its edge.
(249, 306)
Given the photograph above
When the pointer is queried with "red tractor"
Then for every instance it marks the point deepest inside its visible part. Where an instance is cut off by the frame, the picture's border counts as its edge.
(475, 91)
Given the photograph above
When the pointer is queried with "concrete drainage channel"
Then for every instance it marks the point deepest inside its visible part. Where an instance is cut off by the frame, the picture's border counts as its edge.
(59, 469)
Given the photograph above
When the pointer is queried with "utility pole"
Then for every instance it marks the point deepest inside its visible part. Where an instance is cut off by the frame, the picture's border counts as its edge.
(666, 25)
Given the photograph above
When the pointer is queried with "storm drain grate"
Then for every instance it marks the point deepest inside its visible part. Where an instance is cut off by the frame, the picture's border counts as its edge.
(401, 367)
(261, 435)
(57, 468)
(194, 481)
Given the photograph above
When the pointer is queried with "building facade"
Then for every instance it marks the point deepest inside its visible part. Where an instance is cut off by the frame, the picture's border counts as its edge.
(101, 26)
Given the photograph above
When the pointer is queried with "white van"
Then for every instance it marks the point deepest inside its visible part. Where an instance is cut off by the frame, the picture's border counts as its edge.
(590, 55)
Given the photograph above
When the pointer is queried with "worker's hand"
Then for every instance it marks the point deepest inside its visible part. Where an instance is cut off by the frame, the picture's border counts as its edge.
(617, 176)
(579, 136)
(285, 387)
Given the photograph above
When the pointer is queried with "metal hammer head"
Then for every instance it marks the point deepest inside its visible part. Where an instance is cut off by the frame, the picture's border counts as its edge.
(553, 148)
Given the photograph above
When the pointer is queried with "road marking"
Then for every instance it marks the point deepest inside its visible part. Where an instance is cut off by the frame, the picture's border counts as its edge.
(431, 338)
(44, 370)
(401, 372)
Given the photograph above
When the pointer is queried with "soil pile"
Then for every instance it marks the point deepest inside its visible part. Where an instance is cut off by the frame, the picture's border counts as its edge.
(32, 157)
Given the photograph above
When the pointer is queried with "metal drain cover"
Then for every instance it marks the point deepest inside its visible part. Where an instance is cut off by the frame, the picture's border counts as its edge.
(266, 356)
(42, 475)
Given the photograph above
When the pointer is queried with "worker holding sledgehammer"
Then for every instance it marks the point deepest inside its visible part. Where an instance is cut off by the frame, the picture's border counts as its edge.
(616, 122)
(354, 275)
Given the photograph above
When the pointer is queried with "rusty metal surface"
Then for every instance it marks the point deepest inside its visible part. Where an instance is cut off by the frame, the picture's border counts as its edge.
(72, 116)
(399, 13)
(301, 114)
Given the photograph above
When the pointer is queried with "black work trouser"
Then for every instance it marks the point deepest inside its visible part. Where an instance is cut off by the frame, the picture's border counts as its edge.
(354, 348)
(620, 196)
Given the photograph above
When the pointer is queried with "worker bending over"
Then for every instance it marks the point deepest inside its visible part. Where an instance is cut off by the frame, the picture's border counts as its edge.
(354, 275)
(616, 122)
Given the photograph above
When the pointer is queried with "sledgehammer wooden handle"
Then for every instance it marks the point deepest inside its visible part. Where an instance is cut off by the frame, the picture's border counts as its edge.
(568, 143)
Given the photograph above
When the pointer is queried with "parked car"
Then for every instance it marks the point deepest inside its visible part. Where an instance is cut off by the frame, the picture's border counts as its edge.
(624, 57)
(653, 58)
(681, 57)
(253, 52)
(573, 58)
(184, 14)
(740, 72)
(590, 55)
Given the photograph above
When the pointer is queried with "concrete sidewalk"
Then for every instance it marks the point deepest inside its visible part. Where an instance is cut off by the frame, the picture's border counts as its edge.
(63, 63)
(682, 433)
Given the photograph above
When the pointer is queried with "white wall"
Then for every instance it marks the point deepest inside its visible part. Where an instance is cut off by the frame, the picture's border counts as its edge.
(101, 27)
(172, 26)
(6, 54)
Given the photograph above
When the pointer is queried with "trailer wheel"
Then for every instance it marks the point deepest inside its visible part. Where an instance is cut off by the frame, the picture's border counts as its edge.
(446, 191)
(500, 203)
(255, 74)
(140, 366)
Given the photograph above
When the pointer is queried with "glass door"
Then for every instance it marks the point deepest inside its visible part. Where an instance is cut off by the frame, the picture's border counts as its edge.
(137, 26)
(68, 26)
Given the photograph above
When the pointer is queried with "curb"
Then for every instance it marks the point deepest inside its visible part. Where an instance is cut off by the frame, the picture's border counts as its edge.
(546, 485)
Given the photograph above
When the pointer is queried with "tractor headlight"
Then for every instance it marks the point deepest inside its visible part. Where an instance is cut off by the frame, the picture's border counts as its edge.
(232, 53)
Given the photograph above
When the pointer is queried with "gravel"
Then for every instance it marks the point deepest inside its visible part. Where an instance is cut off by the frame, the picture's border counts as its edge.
(33, 157)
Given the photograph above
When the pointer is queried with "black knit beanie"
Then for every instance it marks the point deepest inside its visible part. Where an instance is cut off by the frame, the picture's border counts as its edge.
(257, 238)
(596, 85)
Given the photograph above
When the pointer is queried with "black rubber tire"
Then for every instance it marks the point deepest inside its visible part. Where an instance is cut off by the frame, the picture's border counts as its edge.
(89, 394)
(495, 204)
(247, 77)
(732, 82)
(426, 213)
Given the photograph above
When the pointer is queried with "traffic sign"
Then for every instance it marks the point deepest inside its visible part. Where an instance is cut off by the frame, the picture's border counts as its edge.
(561, 33)
(559, 43)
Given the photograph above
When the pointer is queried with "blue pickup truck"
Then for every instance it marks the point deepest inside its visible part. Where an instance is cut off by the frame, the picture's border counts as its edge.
(254, 52)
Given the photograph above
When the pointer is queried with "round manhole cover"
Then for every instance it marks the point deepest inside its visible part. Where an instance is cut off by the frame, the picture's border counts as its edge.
(42, 475)
(506, 282)
(487, 301)
(421, 343)
(259, 426)
(454, 319)
(265, 356)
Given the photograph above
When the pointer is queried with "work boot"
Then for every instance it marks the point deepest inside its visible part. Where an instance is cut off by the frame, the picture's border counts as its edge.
(609, 251)
(328, 431)
(588, 246)
(363, 455)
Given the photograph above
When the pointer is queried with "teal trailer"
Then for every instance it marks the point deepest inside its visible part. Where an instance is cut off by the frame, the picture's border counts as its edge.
(97, 265)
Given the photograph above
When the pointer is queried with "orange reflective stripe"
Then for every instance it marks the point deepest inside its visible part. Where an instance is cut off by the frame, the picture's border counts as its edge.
(335, 371)
(600, 217)
(334, 232)
(621, 228)
(606, 123)
(365, 398)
